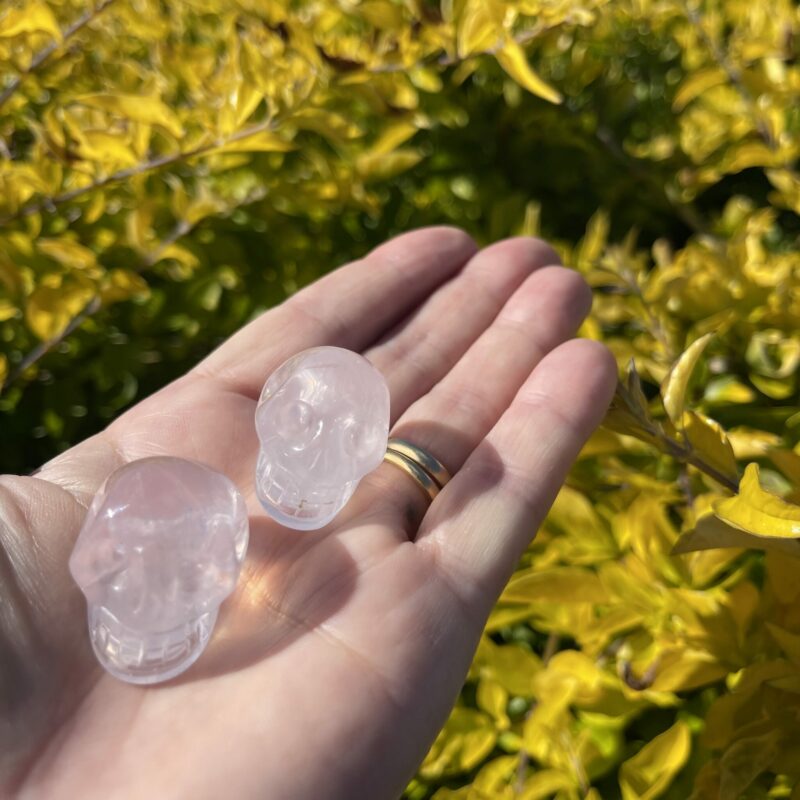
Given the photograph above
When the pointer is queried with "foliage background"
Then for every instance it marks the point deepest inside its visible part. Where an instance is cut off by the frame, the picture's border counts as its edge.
(169, 170)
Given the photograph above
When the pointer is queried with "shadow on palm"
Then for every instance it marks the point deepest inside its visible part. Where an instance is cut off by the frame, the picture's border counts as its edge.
(293, 581)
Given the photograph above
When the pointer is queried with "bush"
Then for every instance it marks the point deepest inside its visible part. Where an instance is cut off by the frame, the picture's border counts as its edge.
(167, 171)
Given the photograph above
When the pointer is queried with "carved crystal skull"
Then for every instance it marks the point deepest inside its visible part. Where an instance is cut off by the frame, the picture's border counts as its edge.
(323, 423)
(160, 549)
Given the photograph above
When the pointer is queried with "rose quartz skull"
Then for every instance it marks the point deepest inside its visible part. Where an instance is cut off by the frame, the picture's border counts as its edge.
(323, 423)
(160, 549)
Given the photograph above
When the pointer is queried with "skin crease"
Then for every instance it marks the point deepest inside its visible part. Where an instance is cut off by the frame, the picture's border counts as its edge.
(338, 657)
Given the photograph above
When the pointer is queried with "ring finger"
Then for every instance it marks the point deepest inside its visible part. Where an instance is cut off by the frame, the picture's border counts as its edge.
(451, 419)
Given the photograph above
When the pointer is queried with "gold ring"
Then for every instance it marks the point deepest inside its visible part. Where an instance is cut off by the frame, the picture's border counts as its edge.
(421, 478)
(431, 465)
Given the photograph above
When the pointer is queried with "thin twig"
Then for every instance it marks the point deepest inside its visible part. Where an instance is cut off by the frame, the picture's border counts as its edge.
(47, 51)
(50, 203)
(447, 60)
(686, 211)
(732, 72)
(45, 347)
(181, 228)
(92, 307)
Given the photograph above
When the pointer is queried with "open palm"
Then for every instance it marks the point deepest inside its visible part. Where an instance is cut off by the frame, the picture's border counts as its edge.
(336, 660)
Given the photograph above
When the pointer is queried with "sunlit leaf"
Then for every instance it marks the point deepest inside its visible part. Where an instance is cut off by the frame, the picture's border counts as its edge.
(561, 584)
(257, 142)
(758, 512)
(492, 698)
(710, 442)
(513, 60)
(466, 739)
(649, 773)
(674, 388)
(67, 252)
(32, 17)
(50, 309)
(139, 108)
(697, 83)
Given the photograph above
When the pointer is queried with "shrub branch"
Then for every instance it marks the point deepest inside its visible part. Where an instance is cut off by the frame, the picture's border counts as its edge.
(51, 203)
(45, 53)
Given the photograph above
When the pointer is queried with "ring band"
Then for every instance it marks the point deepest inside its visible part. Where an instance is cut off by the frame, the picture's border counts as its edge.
(415, 471)
(431, 465)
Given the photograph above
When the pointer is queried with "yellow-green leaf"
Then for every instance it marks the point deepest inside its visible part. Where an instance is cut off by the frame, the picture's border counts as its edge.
(557, 584)
(147, 109)
(7, 309)
(257, 142)
(758, 512)
(746, 759)
(380, 166)
(479, 26)
(466, 739)
(594, 241)
(649, 773)
(513, 60)
(492, 698)
(51, 308)
(509, 665)
(710, 532)
(673, 391)
(68, 253)
(393, 136)
(545, 783)
(122, 284)
(788, 642)
(710, 442)
(696, 83)
(31, 18)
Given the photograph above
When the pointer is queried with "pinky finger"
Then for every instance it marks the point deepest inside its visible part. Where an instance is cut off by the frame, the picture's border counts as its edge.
(483, 520)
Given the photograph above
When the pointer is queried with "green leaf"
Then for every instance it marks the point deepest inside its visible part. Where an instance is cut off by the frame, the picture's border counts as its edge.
(31, 18)
(649, 773)
(710, 533)
(758, 512)
(68, 253)
(710, 442)
(51, 308)
(466, 739)
(492, 698)
(256, 142)
(556, 584)
(513, 60)
(696, 83)
(147, 109)
(673, 390)
(745, 760)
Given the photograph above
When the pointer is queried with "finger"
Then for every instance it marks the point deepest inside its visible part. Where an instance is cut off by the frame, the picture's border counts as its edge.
(424, 347)
(351, 307)
(483, 520)
(451, 420)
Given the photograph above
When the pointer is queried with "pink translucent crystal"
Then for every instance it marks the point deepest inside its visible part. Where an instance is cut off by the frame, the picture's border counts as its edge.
(160, 549)
(323, 423)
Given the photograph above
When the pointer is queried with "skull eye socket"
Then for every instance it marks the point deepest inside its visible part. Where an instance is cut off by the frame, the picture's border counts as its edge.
(356, 439)
(297, 424)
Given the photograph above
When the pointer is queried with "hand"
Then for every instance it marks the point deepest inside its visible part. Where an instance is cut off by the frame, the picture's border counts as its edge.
(339, 655)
